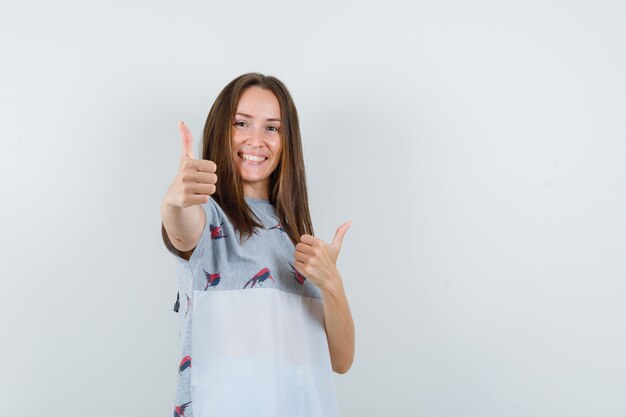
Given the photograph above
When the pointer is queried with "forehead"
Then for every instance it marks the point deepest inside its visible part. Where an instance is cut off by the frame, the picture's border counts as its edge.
(259, 103)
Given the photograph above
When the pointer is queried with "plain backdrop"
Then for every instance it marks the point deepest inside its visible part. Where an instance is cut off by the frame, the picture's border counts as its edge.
(478, 147)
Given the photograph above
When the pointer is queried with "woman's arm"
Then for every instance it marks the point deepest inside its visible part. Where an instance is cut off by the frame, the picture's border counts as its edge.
(339, 325)
(183, 217)
(317, 260)
(183, 225)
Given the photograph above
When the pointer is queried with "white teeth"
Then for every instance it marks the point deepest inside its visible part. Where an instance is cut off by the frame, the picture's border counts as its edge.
(253, 158)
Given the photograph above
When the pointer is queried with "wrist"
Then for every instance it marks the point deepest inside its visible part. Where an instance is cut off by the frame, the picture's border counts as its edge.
(168, 203)
(333, 286)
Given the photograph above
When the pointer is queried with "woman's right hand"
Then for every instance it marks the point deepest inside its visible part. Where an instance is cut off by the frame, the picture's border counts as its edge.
(196, 178)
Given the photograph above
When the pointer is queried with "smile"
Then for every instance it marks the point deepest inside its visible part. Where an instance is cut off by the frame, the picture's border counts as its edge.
(252, 158)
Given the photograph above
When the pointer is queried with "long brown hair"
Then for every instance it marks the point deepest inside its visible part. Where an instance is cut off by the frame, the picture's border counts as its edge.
(288, 190)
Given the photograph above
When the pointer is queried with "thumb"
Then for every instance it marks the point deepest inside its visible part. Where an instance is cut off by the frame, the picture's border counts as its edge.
(338, 239)
(187, 141)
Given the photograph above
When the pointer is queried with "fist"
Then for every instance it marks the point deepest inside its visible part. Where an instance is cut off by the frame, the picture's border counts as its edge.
(317, 260)
(196, 178)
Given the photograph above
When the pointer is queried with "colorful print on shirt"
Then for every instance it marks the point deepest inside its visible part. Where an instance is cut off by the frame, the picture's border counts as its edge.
(260, 277)
(298, 276)
(211, 279)
(216, 231)
(188, 304)
(278, 226)
(179, 410)
(184, 364)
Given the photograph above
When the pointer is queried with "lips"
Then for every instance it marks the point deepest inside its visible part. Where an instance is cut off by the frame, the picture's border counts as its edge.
(253, 156)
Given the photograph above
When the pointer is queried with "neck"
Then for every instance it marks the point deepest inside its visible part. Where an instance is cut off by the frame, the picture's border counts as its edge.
(258, 191)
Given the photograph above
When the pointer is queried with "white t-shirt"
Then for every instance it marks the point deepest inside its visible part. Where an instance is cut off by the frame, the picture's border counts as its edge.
(251, 327)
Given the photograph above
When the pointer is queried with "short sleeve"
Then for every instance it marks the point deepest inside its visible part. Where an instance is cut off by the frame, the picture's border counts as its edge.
(211, 214)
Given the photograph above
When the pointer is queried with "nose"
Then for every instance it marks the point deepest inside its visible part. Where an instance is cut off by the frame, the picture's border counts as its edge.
(255, 137)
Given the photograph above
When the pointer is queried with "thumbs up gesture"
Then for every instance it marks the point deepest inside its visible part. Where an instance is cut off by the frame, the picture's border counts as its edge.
(317, 260)
(196, 178)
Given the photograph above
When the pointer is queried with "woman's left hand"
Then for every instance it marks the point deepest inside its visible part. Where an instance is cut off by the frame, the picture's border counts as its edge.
(317, 260)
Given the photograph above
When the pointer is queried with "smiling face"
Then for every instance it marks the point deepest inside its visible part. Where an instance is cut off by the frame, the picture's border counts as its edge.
(255, 140)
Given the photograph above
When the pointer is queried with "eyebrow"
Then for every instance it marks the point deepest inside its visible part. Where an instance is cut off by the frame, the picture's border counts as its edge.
(250, 117)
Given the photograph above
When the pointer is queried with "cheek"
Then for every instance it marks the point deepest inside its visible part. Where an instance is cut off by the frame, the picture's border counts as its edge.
(234, 138)
(277, 146)
(277, 157)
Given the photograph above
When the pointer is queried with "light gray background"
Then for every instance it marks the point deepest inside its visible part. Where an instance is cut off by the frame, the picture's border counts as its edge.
(478, 147)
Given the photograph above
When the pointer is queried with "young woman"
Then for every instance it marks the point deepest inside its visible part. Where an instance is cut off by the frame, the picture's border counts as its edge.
(264, 319)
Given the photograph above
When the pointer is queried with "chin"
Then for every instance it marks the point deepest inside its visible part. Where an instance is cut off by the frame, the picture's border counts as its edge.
(254, 179)
(254, 176)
